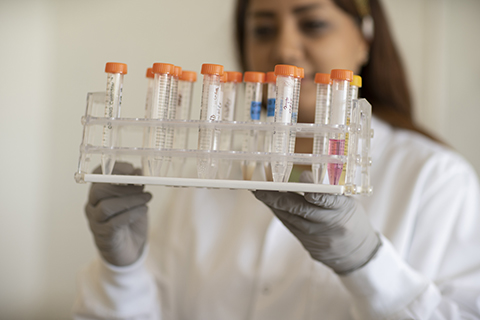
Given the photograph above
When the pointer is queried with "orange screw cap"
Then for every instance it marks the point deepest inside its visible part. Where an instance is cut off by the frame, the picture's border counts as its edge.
(271, 77)
(323, 78)
(252, 76)
(116, 67)
(224, 77)
(163, 68)
(285, 70)
(341, 74)
(177, 71)
(212, 69)
(234, 76)
(301, 72)
(188, 76)
(149, 73)
(297, 73)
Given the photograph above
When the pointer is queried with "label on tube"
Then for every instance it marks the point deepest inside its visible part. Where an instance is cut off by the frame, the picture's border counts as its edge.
(271, 107)
(214, 104)
(286, 105)
(178, 111)
(255, 109)
(227, 112)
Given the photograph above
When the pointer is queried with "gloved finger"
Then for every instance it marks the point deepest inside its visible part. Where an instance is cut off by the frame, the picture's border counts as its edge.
(292, 203)
(329, 201)
(108, 208)
(121, 168)
(101, 191)
(127, 217)
(321, 199)
(292, 221)
(137, 172)
(302, 229)
(104, 230)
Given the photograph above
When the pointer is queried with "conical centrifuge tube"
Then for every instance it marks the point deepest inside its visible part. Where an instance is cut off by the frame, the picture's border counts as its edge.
(271, 95)
(355, 85)
(283, 115)
(210, 110)
(352, 95)
(253, 107)
(171, 110)
(184, 106)
(229, 89)
(113, 101)
(221, 162)
(322, 111)
(296, 100)
(340, 86)
(148, 111)
(161, 95)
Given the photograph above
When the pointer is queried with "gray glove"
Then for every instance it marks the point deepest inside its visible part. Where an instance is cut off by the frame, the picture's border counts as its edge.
(334, 229)
(118, 219)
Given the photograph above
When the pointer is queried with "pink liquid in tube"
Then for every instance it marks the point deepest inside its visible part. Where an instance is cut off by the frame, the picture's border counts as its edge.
(335, 147)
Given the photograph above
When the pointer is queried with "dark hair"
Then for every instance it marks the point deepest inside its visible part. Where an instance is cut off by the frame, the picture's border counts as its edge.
(384, 80)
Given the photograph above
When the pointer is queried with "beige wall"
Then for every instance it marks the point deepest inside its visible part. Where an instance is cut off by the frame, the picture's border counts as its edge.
(440, 44)
(53, 52)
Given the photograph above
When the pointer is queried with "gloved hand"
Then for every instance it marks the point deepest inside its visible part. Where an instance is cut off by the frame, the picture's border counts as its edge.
(118, 219)
(334, 229)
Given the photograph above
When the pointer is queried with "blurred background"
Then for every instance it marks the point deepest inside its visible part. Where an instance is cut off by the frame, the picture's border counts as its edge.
(52, 52)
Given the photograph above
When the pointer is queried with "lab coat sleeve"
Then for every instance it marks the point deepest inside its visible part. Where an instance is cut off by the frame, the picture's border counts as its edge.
(448, 232)
(105, 291)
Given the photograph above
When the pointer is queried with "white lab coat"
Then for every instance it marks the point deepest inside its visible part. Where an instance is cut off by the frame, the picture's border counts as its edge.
(221, 254)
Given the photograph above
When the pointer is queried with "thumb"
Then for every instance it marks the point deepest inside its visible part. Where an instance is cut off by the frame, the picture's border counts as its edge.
(293, 204)
(328, 201)
(137, 172)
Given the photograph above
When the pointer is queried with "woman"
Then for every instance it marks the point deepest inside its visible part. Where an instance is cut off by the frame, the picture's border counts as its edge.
(409, 251)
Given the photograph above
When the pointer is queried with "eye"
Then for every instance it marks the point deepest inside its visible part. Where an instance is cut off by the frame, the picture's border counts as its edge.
(264, 32)
(313, 27)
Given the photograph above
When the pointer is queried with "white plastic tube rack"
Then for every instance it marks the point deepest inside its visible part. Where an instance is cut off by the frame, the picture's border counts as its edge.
(129, 147)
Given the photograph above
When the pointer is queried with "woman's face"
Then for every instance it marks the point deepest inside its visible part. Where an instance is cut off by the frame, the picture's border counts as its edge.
(313, 34)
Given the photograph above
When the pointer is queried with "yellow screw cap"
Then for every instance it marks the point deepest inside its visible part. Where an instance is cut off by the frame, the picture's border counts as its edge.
(357, 81)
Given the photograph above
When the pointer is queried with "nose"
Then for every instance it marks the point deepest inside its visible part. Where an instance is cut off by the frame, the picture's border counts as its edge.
(288, 47)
